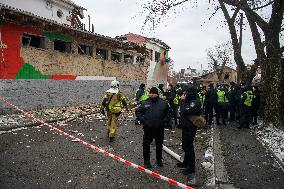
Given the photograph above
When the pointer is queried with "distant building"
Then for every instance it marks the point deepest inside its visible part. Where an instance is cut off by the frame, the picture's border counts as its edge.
(229, 75)
(189, 74)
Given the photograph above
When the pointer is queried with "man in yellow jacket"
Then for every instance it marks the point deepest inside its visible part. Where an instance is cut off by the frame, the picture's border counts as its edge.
(113, 102)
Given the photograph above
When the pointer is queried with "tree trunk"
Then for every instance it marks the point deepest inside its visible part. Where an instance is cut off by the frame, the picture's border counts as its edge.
(235, 42)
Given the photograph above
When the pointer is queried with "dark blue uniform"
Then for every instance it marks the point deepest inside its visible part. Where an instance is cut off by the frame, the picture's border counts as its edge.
(153, 115)
(189, 107)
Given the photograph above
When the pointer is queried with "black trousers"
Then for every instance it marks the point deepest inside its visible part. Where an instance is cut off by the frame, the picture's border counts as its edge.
(149, 135)
(245, 113)
(221, 112)
(233, 112)
(209, 113)
(254, 114)
(188, 135)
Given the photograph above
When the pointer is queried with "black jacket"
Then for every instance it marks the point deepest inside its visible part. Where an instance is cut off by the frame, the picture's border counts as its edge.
(170, 95)
(211, 97)
(256, 100)
(154, 114)
(187, 109)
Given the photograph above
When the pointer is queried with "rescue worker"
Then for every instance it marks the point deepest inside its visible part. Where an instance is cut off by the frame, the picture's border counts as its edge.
(190, 106)
(154, 113)
(255, 104)
(210, 102)
(113, 102)
(245, 107)
(222, 105)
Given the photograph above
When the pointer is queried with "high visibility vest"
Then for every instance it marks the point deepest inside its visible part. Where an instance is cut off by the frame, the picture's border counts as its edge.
(177, 99)
(249, 98)
(201, 97)
(143, 98)
(221, 96)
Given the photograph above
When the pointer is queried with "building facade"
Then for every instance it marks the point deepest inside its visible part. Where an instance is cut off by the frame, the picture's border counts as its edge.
(158, 70)
(36, 47)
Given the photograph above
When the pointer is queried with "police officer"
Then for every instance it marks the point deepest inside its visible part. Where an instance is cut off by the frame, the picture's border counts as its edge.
(201, 95)
(154, 113)
(245, 107)
(141, 94)
(177, 101)
(113, 102)
(222, 105)
(170, 95)
(190, 106)
(210, 102)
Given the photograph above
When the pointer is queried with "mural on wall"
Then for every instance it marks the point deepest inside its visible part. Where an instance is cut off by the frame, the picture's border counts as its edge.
(161, 68)
(12, 64)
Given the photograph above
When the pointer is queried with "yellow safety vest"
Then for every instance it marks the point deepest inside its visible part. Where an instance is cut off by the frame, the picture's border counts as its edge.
(249, 98)
(177, 99)
(221, 96)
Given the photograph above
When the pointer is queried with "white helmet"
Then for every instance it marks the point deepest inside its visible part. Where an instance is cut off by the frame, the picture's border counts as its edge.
(114, 84)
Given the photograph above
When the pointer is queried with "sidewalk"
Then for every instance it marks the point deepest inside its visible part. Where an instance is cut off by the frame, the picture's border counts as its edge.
(248, 163)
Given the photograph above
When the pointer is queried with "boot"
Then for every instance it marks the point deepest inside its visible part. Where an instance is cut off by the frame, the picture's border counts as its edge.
(147, 164)
(181, 165)
(160, 163)
(111, 139)
(191, 180)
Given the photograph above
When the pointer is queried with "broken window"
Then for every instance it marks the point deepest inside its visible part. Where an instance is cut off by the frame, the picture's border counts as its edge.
(34, 41)
(157, 56)
(101, 53)
(140, 60)
(128, 58)
(115, 56)
(62, 46)
(85, 49)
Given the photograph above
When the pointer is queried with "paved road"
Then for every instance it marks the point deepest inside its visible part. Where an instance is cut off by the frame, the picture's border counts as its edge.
(39, 158)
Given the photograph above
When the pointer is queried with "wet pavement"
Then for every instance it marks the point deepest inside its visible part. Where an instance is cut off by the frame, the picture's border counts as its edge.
(37, 157)
(33, 156)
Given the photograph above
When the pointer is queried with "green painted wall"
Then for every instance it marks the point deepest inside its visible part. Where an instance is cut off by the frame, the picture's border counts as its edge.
(27, 71)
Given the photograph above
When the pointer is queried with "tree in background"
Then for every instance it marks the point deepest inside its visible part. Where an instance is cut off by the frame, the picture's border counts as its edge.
(269, 53)
(219, 57)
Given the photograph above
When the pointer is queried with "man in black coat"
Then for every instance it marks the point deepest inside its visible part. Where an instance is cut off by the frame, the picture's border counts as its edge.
(170, 95)
(211, 100)
(190, 106)
(153, 114)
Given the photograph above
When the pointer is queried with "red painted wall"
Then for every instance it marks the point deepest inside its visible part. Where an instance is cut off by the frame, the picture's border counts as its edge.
(11, 36)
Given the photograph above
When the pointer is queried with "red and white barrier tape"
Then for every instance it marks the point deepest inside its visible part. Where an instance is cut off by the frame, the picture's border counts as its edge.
(126, 162)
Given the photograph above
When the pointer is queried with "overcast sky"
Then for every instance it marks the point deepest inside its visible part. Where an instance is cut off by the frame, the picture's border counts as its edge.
(183, 33)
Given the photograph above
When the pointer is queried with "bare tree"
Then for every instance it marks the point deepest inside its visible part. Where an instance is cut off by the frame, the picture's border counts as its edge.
(219, 57)
(269, 51)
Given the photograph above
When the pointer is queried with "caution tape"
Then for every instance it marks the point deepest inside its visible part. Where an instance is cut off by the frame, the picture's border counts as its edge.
(106, 153)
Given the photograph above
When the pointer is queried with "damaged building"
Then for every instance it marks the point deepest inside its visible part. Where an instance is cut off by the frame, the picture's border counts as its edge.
(50, 42)
(43, 41)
